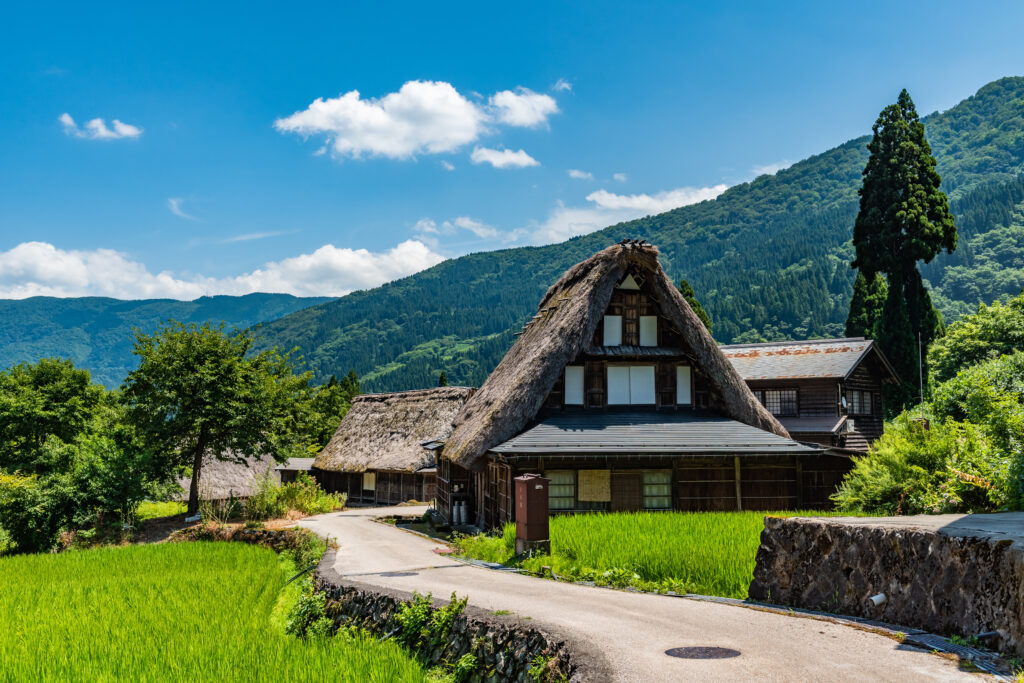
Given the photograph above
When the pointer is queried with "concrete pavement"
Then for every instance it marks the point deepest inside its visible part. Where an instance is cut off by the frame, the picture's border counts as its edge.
(633, 630)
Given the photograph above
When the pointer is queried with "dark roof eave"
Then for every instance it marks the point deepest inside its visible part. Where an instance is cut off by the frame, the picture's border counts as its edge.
(645, 452)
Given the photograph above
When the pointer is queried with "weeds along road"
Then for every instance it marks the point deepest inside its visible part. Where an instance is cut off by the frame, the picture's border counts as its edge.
(631, 630)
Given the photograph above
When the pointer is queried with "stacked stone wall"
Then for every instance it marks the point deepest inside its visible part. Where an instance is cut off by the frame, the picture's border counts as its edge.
(505, 647)
(950, 585)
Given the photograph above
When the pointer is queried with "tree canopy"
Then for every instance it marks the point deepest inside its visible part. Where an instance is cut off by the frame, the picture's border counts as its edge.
(198, 393)
(691, 298)
(988, 333)
(904, 218)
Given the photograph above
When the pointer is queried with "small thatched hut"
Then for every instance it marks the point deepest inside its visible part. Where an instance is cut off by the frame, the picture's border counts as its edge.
(223, 479)
(382, 451)
(618, 394)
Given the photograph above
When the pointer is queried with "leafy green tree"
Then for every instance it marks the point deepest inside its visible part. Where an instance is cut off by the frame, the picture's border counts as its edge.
(691, 298)
(47, 399)
(197, 393)
(904, 218)
(990, 332)
(442, 379)
(327, 406)
(866, 306)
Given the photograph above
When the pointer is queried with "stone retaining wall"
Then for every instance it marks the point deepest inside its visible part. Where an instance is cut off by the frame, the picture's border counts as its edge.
(505, 647)
(946, 584)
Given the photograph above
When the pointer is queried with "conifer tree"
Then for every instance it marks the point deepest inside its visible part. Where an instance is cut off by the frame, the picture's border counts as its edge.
(691, 298)
(866, 306)
(904, 218)
(442, 380)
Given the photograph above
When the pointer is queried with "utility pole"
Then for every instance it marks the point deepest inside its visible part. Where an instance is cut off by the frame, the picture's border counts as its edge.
(920, 372)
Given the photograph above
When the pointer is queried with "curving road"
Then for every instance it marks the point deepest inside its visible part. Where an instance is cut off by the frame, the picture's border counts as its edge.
(632, 630)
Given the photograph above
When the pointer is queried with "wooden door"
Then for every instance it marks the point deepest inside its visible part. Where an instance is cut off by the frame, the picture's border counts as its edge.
(627, 491)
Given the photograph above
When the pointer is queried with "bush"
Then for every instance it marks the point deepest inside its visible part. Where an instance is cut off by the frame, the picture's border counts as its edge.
(265, 503)
(306, 496)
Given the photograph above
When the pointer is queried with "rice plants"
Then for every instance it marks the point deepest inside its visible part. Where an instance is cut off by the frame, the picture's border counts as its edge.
(182, 611)
(711, 553)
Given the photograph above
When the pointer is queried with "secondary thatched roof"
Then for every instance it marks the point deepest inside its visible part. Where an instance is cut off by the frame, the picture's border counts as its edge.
(387, 431)
(564, 326)
(221, 479)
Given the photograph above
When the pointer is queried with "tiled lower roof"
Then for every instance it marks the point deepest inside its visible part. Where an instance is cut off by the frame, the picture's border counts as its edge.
(625, 433)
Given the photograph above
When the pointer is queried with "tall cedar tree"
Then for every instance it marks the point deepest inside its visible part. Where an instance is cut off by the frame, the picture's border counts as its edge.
(442, 379)
(196, 394)
(691, 298)
(904, 218)
(866, 306)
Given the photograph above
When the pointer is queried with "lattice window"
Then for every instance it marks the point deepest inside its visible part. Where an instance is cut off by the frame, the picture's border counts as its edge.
(657, 489)
(781, 402)
(561, 490)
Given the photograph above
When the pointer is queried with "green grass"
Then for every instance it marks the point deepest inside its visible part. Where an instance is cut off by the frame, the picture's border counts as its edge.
(155, 510)
(169, 612)
(711, 553)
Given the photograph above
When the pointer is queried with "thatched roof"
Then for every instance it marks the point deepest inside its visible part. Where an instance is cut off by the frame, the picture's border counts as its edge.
(564, 326)
(387, 431)
(221, 479)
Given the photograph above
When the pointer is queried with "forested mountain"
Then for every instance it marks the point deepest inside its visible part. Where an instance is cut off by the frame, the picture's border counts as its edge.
(97, 333)
(769, 259)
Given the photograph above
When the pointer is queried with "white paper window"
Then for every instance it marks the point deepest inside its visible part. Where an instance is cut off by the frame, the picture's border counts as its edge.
(648, 330)
(574, 385)
(369, 481)
(618, 385)
(641, 385)
(684, 385)
(613, 330)
(561, 490)
(657, 489)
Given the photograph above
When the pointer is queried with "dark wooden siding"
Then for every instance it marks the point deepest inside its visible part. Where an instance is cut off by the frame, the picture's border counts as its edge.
(867, 378)
(453, 484)
(821, 477)
(390, 488)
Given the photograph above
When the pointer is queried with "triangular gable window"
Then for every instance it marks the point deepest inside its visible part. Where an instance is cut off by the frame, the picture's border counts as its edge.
(629, 283)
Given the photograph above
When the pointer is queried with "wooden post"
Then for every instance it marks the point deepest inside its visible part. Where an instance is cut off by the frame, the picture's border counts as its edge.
(739, 495)
(799, 482)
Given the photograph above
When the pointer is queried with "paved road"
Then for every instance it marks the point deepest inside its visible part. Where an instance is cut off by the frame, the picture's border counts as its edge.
(633, 630)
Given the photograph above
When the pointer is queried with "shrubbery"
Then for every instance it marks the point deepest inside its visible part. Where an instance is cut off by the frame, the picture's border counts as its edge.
(968, 458)
(303, 495)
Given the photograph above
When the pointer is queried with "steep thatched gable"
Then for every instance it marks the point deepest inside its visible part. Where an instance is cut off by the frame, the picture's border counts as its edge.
(386, 431)
(563, 327)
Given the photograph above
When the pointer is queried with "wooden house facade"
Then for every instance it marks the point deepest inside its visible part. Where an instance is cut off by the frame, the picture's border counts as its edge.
(617, 393)
(380, 453)
(824, 391)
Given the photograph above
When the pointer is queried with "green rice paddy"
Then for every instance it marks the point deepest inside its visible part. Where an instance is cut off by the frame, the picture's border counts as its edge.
(169, 612)
(711, 553)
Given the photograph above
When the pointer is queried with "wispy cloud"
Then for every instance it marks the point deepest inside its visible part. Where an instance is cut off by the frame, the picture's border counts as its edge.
(620, 177)
(580, 175)
(502, 158)
(658, 202)
(97, 129)
(772, 168)
(174, 204)
(561, 84)
(447, 165)
(249, 237)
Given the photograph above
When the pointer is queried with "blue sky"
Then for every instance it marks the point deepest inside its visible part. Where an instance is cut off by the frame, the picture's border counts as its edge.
(439, 131)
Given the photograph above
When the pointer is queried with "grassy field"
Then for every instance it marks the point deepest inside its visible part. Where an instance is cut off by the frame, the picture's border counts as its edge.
(169, 612)
(151, 510)
(711, 553)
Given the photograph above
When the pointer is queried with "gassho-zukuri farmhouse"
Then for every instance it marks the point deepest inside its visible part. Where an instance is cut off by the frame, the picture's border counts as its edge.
(617, 393)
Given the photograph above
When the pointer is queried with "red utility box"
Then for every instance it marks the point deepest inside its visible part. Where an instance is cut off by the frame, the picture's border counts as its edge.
(531, 512)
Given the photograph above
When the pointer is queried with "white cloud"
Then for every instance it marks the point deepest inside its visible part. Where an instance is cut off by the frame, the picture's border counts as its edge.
(174, 204)
(561, 84)
(96, 129)
(423, 117)
(503, 158)
(447, 165)
(523, 107)
(580, 175)
(251, 236)
(481, 230)
(657, 203)
(41, 269)
(771, 169)
(620, 177)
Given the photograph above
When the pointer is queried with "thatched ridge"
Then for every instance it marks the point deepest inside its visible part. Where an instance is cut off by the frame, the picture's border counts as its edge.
(386, 431)
(567, 318)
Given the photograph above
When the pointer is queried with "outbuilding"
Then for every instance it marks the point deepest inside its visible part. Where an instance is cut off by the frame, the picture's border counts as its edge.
(380, 453)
